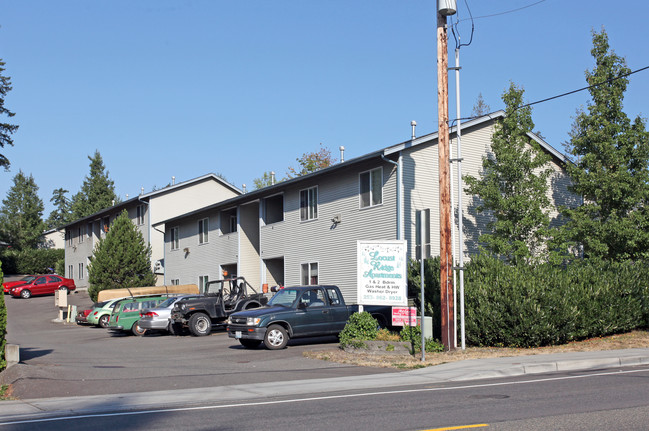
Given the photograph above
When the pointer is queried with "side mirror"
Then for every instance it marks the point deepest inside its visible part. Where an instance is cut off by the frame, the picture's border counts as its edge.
(275, 289)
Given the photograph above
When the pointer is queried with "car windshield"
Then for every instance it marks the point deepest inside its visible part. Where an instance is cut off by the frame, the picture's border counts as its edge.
(28, 279)
(285, 297)
(168, 302)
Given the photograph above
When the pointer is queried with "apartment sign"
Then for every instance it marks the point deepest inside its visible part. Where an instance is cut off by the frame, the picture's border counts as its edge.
(382, 273)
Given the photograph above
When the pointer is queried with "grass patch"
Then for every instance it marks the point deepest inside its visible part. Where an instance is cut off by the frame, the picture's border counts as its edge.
(5, 393)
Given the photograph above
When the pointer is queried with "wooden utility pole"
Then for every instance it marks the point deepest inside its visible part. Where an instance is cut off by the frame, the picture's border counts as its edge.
(443, 149)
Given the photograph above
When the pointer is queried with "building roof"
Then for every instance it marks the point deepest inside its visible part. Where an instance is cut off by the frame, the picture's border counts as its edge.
(385, 152)
(148, 196)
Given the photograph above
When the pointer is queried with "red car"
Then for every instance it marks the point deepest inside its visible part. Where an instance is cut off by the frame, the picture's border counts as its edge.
(9, 284)
(42, 285)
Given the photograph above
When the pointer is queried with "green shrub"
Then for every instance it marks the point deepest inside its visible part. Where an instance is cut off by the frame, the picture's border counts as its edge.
(529, 306)
(360, 326)
(31, 261)
(412, 335)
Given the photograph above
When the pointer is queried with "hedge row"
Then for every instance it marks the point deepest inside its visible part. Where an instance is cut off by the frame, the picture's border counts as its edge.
(531, 306)
(30, 261)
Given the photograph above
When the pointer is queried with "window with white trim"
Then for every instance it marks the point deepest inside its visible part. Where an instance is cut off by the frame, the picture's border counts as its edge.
(203, 229)
(309, 204)
(80, 271)
(202, 282)
(81, 235)
(175, 243)
(371, 187)
(140, 214)
(70, 271)
(309, 274)
(175, 281)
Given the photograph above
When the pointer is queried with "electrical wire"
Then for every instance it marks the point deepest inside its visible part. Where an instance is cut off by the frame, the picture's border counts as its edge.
(505, 12)
(584, 88)
(568, 93)
(454, 29)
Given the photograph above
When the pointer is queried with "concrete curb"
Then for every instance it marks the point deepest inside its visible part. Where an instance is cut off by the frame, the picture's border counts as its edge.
(451, 372)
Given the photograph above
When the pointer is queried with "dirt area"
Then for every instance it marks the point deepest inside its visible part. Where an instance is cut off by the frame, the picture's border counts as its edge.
(631, 340)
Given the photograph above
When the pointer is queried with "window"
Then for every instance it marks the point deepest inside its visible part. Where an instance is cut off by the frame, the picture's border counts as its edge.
(202, 283)
(203, 228)
(89, 230)
(371, 187)
(81, 271)
(105, 225)
(333, 296)
(174, 238)
(175, 281)
(140, 214)
(229, 221)
(309, 204)
(68, 234)
(70, 271)
(274, 209)
(80, 235)
(309, 274)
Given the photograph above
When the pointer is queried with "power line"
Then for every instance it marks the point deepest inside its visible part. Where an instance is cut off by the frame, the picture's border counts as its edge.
(505, 12)
(569, 92)
(584, 88)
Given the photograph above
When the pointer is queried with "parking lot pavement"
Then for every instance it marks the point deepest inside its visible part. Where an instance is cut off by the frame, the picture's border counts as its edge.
(65, 359)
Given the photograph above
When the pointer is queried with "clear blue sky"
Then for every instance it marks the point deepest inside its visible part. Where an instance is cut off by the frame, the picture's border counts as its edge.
(182, 88)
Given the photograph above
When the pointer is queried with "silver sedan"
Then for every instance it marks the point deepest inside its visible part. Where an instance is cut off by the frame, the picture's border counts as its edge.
(158, 318)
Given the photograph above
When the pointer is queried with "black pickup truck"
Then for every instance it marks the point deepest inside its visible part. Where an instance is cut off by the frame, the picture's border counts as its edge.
(220, 299)
(294, 312)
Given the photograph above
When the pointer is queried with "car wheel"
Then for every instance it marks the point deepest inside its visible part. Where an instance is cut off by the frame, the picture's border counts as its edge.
(25, 293)
(104, 320)
(64, 289)
(276, 337)
(200, 324)
(137, 330)
(250, 344)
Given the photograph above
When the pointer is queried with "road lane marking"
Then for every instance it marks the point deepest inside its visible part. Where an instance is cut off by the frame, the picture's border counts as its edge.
(321, 398)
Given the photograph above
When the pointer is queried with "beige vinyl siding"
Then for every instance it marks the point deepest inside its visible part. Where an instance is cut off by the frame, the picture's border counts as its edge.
(249, 260)
(332, 246)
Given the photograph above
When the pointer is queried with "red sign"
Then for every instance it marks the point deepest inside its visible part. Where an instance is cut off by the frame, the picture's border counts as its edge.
(404, 316)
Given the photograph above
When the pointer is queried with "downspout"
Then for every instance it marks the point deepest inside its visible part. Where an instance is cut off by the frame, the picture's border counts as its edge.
(148, 220)
(399, 166)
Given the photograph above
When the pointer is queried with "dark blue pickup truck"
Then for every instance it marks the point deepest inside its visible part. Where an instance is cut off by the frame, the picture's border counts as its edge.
(294, 312)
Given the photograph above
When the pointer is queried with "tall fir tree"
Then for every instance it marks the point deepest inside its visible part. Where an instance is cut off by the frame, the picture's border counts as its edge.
(6, 129)
(121, 259)
(611, 166)
(21, 215)
(513, 184)
(61, 213)
(97, 191)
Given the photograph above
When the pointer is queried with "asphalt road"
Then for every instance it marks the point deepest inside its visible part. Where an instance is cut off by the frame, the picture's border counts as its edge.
(595, 400)
(67, 359)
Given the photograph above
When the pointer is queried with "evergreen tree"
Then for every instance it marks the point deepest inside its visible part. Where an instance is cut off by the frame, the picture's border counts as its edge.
(6, 129)
(61, 213)
(21, 216)
(480, 108)
(611, 170)
(121, 259)
(97, 191)
(513, 184)
(312, 162)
